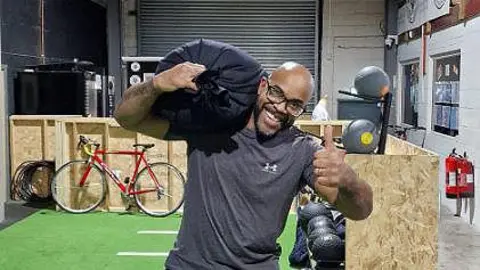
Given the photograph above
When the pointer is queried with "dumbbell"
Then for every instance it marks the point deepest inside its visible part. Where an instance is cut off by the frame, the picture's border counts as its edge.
(323, 242)
(310, 211)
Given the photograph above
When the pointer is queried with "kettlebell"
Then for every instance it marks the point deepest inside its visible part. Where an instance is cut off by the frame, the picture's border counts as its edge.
(372, 81)
(361, 136)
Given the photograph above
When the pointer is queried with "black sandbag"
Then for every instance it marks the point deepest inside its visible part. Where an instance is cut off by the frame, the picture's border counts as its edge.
(227, 89)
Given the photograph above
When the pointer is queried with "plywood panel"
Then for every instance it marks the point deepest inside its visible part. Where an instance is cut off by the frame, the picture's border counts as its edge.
(32, 138)
(115, 138)
(401, 232)
(316, 127)
(119, 139)
(396, 146)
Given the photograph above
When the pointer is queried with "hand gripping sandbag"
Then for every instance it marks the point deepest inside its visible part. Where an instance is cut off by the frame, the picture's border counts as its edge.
(227, 89)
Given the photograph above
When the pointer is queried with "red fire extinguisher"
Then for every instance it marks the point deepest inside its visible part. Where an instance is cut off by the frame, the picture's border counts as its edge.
(451, 170)
(466, 177)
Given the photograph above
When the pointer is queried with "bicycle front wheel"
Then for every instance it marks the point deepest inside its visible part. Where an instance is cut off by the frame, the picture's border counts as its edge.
(159, 189)
(70, 195)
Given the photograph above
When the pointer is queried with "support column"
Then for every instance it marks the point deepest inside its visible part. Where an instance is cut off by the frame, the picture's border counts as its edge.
(4, 157)
(114, 36)
(390, 55)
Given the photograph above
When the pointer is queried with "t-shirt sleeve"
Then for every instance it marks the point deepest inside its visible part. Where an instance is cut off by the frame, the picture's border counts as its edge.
(312, 145)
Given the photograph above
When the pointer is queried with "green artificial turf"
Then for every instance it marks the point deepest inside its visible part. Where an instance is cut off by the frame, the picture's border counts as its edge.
(55, 240)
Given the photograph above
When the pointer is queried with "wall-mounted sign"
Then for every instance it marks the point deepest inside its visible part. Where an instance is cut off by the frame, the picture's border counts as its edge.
(417, 12)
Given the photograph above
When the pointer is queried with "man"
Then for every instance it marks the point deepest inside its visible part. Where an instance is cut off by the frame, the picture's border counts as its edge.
(240, 186)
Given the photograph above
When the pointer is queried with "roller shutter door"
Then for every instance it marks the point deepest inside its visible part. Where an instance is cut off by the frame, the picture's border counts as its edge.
(273, 31)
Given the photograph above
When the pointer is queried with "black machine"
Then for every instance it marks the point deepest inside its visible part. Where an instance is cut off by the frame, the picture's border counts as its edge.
(70, 88)
(138, 69)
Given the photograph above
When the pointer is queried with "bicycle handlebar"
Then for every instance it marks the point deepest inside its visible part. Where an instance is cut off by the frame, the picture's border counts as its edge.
(86, 143)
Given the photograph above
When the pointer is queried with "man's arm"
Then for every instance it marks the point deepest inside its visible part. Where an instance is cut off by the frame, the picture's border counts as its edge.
(354, 199)
(336, 181)
(134, 111)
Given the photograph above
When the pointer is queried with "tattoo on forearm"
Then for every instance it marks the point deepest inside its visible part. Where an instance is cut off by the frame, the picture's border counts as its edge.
(354, 199)
(140, 89)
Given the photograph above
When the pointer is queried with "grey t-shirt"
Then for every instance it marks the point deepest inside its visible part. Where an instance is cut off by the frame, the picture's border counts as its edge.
(238, 195)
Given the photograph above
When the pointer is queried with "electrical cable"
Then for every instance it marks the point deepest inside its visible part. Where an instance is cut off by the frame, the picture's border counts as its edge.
(28, 185)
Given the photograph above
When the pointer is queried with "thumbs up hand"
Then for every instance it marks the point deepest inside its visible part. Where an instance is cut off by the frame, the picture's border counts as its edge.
(328, 164)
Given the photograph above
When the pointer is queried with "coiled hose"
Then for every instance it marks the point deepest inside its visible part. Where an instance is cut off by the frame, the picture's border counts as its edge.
(31, 181)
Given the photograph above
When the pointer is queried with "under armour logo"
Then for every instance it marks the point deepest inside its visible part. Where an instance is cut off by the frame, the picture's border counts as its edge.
(270, 168)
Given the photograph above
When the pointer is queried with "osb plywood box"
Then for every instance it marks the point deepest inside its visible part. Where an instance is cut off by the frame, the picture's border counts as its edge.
(401, 232)
(32, 139)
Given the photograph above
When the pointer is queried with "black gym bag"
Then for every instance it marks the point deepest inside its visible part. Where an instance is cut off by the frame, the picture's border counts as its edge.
(227, 89)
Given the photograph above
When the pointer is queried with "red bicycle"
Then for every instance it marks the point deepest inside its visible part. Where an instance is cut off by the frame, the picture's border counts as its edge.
(79, 186)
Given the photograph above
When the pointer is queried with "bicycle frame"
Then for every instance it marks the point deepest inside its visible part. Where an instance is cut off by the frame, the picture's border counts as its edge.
(126, 189)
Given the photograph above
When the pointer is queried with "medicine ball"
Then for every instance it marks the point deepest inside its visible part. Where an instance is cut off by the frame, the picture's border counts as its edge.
(311, 210)
(320, 222)
(328, 248)
(313, 235)
(361, 136)
(372, 81)
(227, 89)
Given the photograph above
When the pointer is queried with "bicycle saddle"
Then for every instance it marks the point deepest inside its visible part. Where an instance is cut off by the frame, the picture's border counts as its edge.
(144, 145)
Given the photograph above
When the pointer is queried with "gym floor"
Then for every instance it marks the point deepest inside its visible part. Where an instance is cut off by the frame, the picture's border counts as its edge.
(45, 239)
(32, 237)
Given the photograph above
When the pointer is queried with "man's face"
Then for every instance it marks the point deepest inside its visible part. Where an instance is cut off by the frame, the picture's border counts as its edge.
(278, 105)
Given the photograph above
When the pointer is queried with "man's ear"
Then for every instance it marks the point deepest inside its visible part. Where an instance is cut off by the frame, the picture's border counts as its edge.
(262, 85)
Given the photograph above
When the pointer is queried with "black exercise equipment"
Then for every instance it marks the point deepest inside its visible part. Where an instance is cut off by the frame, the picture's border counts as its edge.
(372, 83)
(328, 248)
(361, 136)
(227, 89)
(316, 232)
(320, 221)
(311, 210)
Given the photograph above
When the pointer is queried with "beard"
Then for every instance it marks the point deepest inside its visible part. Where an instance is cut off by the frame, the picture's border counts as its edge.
(263, 133)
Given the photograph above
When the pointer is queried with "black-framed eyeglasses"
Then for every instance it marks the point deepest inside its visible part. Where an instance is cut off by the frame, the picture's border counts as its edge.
(276, 95)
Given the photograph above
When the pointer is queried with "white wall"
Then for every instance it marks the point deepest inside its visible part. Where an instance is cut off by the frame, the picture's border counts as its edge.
(466, 39)
(352, 39)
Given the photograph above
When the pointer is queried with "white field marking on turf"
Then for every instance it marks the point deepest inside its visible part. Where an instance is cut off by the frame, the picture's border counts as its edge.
(147, 254)
(157, 232)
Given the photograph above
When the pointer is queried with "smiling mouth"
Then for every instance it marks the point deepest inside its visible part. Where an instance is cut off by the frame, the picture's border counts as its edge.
(271, 116)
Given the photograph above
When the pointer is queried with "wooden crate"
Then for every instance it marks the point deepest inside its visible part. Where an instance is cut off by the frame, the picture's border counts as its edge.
(401, 232)
(32, 138)
(317, 127)
(113, 137)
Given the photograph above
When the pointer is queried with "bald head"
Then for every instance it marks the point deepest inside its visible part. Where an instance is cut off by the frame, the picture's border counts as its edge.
(294, 79)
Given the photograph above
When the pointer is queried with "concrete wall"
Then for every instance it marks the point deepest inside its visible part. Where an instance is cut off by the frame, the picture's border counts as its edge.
(464, 38)
(129, 27)
(352, 39)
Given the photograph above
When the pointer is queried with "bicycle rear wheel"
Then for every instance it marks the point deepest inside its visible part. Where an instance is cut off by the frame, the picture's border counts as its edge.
(163, 196)
(67, 192)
